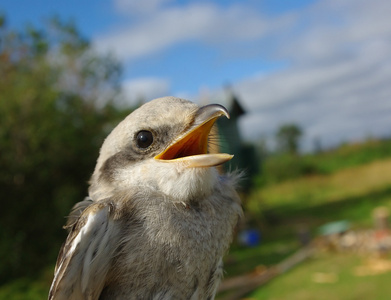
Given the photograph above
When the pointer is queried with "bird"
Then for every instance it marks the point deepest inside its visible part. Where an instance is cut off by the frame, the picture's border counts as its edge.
(159, 216)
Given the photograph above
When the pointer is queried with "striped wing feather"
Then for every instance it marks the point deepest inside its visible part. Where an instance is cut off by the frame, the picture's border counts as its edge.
(84, 259)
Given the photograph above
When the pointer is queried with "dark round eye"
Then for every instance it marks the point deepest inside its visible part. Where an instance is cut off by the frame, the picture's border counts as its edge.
(144, 139)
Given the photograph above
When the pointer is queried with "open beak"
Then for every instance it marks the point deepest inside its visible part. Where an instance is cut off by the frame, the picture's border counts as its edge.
(191, 148)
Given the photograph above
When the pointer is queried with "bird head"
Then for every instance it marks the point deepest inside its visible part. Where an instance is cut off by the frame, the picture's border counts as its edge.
(163, 146)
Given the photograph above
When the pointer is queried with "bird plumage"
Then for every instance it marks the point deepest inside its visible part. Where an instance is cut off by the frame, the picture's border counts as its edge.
(156, 226)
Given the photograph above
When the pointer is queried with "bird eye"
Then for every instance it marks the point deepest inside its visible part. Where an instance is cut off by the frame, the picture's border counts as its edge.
(144, 139)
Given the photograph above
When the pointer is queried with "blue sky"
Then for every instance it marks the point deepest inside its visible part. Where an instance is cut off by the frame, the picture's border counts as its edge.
(187, 64)
(323, 64)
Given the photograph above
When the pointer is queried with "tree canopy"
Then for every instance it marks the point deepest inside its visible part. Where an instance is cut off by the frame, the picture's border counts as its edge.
(288, 136)
(56, 107)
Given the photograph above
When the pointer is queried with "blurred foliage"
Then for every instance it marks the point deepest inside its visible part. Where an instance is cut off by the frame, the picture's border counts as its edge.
(288, 137)
(350, 155)
(315, 196)
(279, 167)
(351, 181)
(301, 282)
(342, 183)
(56, 107)
(24, 288)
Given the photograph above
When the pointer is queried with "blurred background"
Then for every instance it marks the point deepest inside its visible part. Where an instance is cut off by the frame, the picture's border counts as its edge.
(308, 85)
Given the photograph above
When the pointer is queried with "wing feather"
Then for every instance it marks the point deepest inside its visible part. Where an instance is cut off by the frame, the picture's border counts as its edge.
(85, 257)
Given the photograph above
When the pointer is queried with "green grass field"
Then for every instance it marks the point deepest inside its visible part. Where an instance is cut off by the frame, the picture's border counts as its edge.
(328, 276)
(349, 192)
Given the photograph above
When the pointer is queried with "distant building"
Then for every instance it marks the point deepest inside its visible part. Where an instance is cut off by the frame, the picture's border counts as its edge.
(230, 140)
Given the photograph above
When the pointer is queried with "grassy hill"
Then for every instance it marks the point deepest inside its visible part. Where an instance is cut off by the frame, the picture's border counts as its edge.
(325, 195)
(343, 184)
(336, 276)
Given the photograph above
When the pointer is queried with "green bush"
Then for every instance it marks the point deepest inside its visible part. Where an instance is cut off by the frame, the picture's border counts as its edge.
(51, 127)
(281, 167)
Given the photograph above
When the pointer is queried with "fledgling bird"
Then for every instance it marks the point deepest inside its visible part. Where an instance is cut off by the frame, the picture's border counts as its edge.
(159, 217)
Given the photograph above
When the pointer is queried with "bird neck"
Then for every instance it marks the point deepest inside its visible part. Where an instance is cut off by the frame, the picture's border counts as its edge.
(178, 183)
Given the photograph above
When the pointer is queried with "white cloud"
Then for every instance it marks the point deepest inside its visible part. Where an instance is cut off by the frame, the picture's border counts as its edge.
(338, 84)
(145, 89)
(335, 28)
(201, 22)
(133, 7)
(338, 53)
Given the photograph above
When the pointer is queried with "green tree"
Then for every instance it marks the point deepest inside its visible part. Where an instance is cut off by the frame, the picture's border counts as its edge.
(56, 106)
(288, 137)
